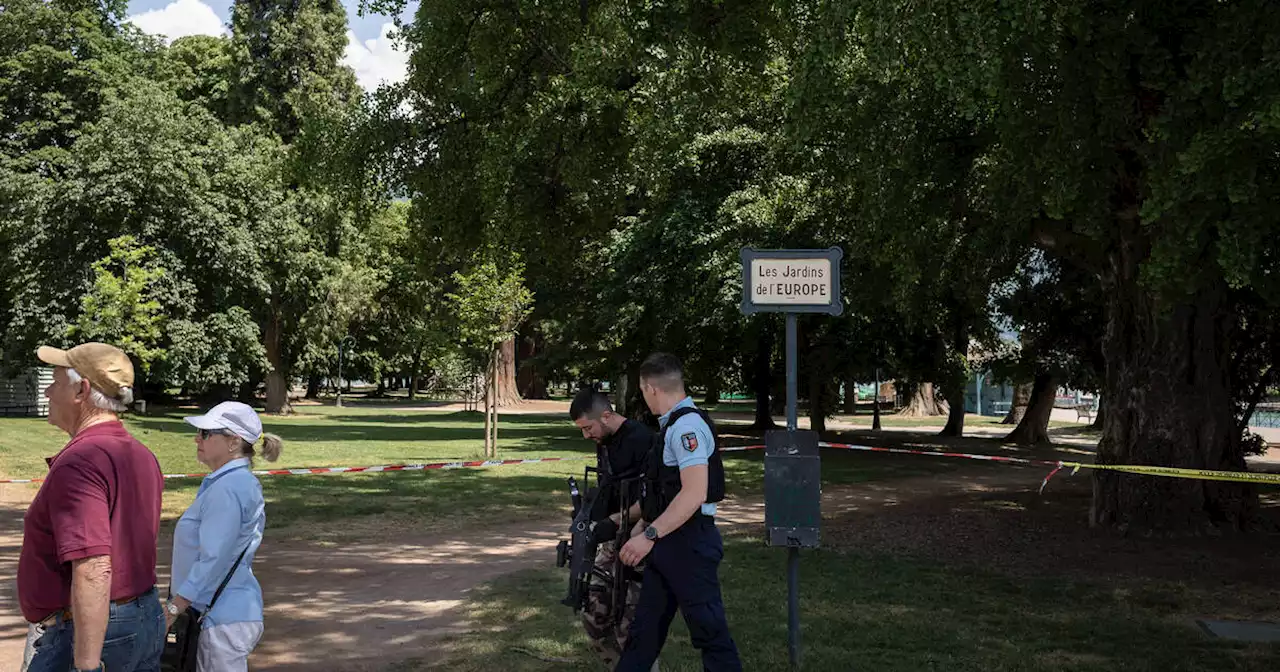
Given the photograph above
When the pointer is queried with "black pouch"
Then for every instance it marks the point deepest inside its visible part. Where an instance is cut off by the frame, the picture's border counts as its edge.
(182, 642)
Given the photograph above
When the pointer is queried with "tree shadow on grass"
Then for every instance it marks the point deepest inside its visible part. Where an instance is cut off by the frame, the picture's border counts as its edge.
(862, 609)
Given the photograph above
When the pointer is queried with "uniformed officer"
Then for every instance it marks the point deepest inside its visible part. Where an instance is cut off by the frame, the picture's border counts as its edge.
(684, 478)
(621, 447)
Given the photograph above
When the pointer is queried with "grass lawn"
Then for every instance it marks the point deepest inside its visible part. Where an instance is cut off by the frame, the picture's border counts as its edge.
(328, 436)
(421, 500)
(866, 611)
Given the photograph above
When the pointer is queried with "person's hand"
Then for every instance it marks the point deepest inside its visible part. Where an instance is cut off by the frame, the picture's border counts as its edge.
(182, 604)
(635, 550)
(638, 528)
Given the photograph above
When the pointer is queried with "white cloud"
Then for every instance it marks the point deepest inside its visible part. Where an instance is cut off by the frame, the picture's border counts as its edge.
(377, 61)
(180, 18)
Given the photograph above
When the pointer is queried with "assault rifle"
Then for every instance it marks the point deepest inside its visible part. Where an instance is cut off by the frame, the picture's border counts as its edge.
(579, 550)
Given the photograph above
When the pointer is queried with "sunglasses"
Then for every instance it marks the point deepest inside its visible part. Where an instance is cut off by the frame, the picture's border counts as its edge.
(206, 433)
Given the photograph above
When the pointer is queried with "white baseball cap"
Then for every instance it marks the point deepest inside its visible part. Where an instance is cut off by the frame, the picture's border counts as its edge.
(234, 416)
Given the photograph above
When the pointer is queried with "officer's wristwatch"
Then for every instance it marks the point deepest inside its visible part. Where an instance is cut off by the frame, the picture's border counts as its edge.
(651, 533)
(171, 608)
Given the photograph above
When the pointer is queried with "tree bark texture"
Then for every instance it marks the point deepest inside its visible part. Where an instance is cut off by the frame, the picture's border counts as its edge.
(1169, 403)
(955, 410)
(1033, 429)
(313, 386)
(277, 378)
(1018, 409)
(818, 402)
(506, 392)
(924, 403)
(850, 397)
(713, 391)
(762, 381)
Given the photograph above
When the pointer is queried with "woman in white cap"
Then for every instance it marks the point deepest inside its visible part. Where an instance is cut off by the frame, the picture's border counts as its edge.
(218, 536)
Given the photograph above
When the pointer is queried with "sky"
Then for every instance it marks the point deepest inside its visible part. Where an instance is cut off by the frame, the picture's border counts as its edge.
(370, 52)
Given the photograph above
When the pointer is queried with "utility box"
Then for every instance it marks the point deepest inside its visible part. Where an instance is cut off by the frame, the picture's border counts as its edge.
(792, 489)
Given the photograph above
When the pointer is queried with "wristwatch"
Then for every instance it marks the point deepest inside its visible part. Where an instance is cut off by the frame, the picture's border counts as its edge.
(102, 667)
(651, 533)
(171, 608)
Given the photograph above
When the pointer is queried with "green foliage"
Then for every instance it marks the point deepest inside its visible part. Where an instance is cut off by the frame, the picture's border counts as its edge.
(489, 304)
(122, 307)
(286, 62)
(107, 134)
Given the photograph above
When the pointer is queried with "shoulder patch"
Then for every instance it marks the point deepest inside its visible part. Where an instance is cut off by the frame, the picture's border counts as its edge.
(689, 441)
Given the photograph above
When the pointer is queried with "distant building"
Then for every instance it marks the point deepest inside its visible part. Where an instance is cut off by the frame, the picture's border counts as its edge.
(986, 396)
(23, 395)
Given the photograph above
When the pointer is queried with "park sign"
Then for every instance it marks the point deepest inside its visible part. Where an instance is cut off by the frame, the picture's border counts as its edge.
(791, 281)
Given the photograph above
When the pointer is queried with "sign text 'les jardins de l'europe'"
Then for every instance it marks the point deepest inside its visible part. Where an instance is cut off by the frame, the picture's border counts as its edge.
(803, 281)
(791, 281)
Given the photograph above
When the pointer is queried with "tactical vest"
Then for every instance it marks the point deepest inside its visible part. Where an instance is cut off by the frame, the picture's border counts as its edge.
(662, 482)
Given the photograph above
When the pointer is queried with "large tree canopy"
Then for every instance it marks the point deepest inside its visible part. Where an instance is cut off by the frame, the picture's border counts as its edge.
(1099, 181)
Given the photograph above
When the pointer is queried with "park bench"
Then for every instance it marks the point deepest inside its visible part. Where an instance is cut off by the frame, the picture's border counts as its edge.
(1083, 411)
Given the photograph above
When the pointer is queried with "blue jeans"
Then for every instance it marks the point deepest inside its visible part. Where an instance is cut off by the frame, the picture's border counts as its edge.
(134, 641)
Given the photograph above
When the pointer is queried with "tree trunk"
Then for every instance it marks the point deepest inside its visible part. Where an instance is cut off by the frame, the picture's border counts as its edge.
(505, 385)
(247, 392)
(762, 381)
(1018, 409)
(277, 378)
(1034, 427)
(924, 403)
(713, 391)
(850, 396)
(313, 386)
(415, 375)
(955, 411)
(1168, 404)
(955, 389)
(1098, 417)
(817, 403)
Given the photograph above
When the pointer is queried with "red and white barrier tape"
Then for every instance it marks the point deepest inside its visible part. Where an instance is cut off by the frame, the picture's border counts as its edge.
(1055, 465)
(374, 469)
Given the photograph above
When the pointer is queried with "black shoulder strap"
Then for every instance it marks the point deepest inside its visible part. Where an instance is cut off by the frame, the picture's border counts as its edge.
(686, 410)
(227, 579)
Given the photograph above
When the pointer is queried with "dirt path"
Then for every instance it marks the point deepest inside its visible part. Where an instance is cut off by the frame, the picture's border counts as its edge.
(363, 606)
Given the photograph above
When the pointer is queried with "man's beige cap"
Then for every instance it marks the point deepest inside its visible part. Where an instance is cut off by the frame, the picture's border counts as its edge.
(106, 367)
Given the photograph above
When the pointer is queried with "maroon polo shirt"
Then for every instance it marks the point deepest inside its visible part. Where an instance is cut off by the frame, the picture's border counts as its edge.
(101, 497)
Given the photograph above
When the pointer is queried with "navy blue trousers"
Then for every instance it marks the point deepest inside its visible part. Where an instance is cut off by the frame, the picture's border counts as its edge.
(682, 574)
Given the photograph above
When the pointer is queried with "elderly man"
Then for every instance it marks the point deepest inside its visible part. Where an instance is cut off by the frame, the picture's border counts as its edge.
(87, 572)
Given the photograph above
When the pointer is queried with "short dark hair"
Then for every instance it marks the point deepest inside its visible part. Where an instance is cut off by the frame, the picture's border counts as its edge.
(664, 369)
(590, 403)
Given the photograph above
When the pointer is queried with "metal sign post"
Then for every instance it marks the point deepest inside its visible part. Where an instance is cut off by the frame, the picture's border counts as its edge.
(792, 282)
